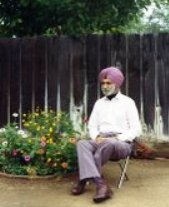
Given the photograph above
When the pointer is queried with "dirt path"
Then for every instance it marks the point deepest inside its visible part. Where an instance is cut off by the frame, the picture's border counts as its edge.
(148, 187)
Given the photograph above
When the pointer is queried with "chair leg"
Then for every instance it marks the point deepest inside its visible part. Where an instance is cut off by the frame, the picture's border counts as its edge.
(123, 175)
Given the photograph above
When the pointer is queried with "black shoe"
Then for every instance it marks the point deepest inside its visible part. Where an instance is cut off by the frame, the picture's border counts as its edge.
(102, 193)
(79, 188)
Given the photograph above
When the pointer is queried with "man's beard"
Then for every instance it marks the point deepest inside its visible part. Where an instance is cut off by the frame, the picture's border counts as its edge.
(108, 92)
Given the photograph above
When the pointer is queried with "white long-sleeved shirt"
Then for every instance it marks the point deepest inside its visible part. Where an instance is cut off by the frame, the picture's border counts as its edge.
(118, 115)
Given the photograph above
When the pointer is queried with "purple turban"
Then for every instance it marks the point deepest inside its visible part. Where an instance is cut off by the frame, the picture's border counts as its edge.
(114, 74)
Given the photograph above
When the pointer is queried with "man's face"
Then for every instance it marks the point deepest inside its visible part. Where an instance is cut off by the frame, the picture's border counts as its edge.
(108, 87)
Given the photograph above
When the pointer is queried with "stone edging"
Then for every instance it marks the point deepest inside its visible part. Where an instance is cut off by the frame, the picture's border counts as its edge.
(27, 176)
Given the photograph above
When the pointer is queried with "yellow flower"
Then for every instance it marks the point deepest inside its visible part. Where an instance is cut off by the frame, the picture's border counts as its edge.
(50, 129)
(29, 141)
(31, 170)
(50, 141)
(26, 124)
(64, 134)
(38, 128)
(54, 164)
(72, 140)
(49, 160)
(59, 114)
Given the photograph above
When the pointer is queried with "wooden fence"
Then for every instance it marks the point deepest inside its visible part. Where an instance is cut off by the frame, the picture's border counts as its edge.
(62, 73)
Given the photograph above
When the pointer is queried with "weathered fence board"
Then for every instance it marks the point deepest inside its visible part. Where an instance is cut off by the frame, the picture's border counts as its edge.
(27, 73)
(4, 80)
(163, 78)
(119, 51)
(64, 73)
(77, 70)
(92, 70)
(40, 71)
(149, 75)
(133, 71)
(52, 77)
(15, 76)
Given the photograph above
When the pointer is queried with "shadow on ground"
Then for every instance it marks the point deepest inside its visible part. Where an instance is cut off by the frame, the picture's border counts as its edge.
(147, 187)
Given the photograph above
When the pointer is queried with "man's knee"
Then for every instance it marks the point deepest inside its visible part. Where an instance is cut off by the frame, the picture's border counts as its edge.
(110, 144)
(114, 146)
(82, 143)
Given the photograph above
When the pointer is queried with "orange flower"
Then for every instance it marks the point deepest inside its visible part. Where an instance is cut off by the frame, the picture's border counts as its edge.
(43, 138)
(40, 151)
(64, 165)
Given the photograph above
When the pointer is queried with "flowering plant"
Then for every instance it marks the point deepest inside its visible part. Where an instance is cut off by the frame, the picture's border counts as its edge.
(45, 145)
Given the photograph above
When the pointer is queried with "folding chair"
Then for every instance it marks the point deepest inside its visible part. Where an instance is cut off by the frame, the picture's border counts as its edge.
(123, 164)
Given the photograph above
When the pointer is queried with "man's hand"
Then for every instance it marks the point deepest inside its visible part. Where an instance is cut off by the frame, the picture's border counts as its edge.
(99, 139)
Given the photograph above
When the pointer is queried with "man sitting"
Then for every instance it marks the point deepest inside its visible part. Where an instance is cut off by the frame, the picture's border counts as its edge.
(113, 124)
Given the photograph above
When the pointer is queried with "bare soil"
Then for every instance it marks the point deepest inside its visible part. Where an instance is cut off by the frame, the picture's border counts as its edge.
(147, 187)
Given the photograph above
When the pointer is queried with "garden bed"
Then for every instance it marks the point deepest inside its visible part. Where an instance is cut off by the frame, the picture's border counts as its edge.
(44, 147)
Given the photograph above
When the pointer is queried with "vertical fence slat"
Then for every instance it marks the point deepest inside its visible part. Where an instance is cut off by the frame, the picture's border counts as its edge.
(64, 73)
(105, 51)
(28, 61)
(40, 72)
(4, 80)
(15, 77)
(163, 75)
(148, 60)
(133, 57)
(78, 70)
(118, 54)
(53, 53)
(92, 70)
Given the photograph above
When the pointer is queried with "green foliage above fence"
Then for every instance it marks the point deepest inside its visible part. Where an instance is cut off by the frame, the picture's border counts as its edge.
(69, 17)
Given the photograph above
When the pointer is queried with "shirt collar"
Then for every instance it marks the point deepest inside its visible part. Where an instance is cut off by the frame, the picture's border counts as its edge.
(117, 97)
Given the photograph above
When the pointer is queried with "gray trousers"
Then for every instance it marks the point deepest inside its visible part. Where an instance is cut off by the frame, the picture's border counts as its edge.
(92, 156)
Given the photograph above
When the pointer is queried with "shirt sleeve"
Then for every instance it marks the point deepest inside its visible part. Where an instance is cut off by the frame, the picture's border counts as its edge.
(93, 123)
(133, 123)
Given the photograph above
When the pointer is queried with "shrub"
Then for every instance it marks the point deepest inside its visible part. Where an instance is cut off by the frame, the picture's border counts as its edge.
(46, 145)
